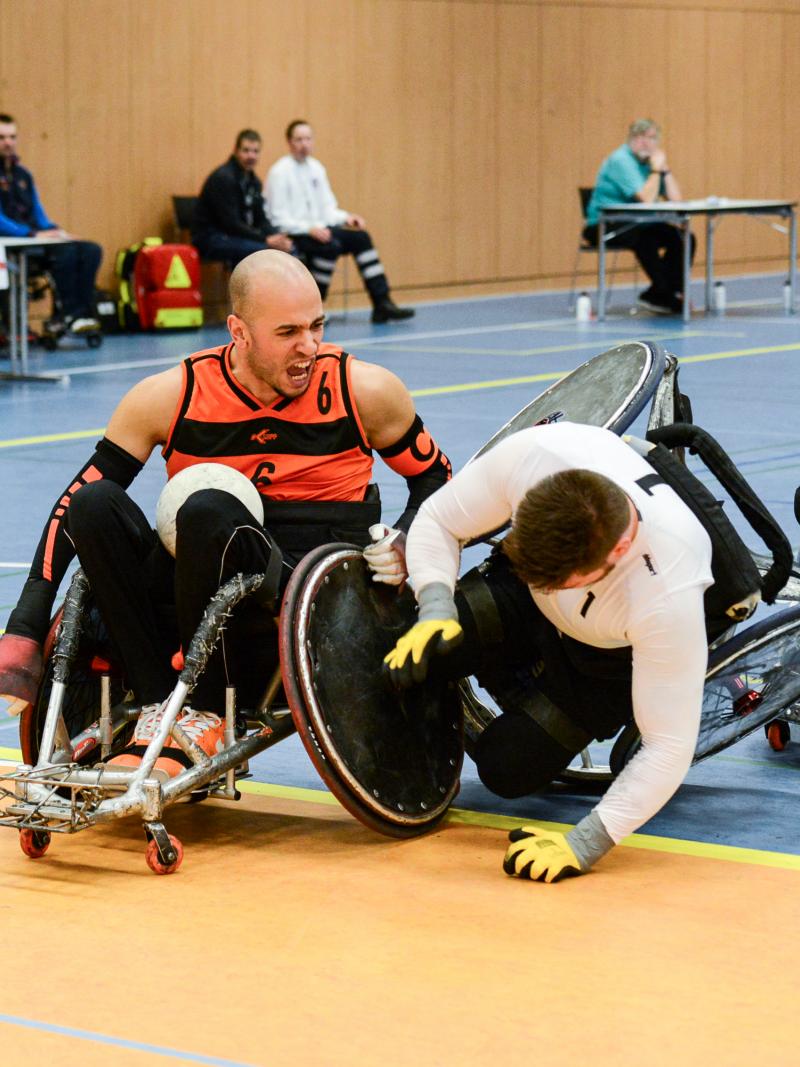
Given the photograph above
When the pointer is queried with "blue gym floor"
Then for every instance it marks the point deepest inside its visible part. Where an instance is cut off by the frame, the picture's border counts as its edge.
(471, 364)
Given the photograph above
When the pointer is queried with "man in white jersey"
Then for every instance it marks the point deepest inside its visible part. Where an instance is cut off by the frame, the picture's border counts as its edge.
(611, 623)
(301, 203)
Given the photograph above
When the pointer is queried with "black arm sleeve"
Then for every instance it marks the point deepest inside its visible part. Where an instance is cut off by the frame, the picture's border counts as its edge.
(31, 616)
(423, 465)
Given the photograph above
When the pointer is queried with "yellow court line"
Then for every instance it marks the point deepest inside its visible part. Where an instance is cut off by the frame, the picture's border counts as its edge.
(735, 353)
(48, 438)
(419, 348)
(461, 816)
(495, 383)
(649, 842)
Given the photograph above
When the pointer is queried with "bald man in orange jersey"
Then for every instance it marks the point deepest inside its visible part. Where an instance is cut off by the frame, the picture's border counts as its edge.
(300, 418)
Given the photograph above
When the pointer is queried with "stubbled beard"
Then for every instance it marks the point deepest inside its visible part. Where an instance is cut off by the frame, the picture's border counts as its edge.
(260, 376)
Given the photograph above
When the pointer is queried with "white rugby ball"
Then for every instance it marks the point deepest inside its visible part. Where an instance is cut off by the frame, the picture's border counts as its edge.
(191, 480)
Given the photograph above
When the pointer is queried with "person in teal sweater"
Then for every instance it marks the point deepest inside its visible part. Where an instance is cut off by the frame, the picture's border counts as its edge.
(638, 171)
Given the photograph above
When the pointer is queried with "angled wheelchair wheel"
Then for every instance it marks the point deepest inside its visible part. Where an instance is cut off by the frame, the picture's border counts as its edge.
(392, 759)
(609, 390)
(82, 698)
(751, 680)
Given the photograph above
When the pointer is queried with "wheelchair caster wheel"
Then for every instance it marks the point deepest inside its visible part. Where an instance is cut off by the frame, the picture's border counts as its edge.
(94, 340)
(154, 861)
(778, 735)
(34, 843)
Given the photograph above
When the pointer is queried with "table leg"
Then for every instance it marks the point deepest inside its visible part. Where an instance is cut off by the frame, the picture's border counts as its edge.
(792, 259)
(686, 268)
(13, 289)
(23, 312)
(710, 221)
(601, 269)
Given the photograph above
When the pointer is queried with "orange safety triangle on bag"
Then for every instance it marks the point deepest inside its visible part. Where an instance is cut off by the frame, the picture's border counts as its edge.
(177, 275)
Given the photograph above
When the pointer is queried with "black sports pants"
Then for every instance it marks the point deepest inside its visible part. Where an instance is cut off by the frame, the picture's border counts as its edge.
(591, 687)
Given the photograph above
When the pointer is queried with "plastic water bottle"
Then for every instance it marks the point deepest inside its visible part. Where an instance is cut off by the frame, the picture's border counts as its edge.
(720, 297)
(583, 308)
(787, 297)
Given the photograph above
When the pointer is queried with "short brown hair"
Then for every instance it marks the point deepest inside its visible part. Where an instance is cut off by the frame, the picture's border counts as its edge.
(246, 135)
(566, 524)
(293, 126)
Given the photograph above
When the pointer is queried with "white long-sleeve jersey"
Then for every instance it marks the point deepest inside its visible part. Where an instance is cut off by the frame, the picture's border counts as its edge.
(299, 197)
(652, 600)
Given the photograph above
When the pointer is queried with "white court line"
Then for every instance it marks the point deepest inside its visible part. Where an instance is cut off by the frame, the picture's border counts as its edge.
(12, 566)
(467, 331)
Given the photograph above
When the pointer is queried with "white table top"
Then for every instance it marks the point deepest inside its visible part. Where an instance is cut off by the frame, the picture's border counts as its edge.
(709, 204)
(33, 242)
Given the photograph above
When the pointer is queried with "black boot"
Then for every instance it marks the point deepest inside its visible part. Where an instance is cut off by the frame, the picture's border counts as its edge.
(387, 311)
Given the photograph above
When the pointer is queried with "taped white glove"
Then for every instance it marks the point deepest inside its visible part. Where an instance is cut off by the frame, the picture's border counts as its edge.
(386, 558)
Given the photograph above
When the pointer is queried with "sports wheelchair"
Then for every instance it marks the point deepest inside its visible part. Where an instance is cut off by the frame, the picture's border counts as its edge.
(392, 759)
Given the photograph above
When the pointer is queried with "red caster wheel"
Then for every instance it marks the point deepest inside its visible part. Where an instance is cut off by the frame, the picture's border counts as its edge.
(34, 843)
(778, 735)
(154, 861)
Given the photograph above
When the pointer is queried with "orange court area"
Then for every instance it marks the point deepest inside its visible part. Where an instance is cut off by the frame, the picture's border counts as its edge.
(293, 935)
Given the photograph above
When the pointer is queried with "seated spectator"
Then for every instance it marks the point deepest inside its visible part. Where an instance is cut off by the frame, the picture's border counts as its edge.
(638, 171)
(73, 266)
(301, 203)
(229, 221)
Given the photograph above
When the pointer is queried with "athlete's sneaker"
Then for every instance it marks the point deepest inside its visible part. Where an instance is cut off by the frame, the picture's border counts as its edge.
(205, 728)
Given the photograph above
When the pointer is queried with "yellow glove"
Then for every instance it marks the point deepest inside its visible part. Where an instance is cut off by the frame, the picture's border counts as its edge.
(541, 855)
(407, 663)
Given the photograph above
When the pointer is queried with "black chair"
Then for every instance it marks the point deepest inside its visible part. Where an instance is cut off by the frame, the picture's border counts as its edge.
(182, 217)
(585, 195)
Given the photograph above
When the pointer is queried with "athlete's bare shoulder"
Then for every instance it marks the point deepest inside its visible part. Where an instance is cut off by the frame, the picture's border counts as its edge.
(384, 403)
(142, 418)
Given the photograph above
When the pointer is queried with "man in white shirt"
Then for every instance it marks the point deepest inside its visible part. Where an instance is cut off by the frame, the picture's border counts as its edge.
(598, 596)
(300, 203)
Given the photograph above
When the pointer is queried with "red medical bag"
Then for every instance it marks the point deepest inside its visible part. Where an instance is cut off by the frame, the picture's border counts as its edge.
(160, 286)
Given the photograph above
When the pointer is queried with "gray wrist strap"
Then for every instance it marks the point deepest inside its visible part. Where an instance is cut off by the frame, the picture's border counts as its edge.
(589, 840)
(436, 602)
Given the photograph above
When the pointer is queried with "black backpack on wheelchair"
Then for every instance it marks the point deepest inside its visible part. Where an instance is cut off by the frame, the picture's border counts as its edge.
(738, 585)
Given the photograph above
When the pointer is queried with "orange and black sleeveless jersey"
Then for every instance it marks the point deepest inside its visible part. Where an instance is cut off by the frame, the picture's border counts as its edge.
(309, 447)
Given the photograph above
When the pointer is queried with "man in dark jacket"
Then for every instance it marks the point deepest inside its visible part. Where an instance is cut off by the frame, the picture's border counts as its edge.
(72, 265)
(229, 220)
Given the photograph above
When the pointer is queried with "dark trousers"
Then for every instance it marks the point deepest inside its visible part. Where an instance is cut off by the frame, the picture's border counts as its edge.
(320, 258)
(658, 246)
(152, 604)
(230, 250)
(528, 659)
(74, 267)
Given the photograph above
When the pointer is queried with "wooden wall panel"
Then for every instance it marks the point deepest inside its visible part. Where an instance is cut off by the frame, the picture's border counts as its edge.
(474, 146)
(409, 166)
(563, 125)
(159, 114)
(99, 145)
(517, 188)
(33, 82)
(276, 64)
(684, 116)
(333, 84)
(762, 134)
(787, 111)
(725, 107)
(219, 106)
(459, 128)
